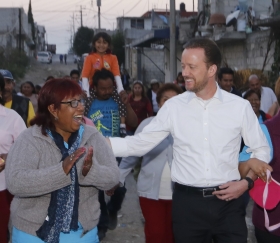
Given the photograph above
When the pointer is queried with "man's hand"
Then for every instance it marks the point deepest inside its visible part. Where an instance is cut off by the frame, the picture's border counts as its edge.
(124, 97)
(259, 168)
(231, 190)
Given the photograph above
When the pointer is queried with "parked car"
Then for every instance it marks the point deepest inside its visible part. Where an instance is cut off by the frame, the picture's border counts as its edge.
(44, 57)
(80, 62)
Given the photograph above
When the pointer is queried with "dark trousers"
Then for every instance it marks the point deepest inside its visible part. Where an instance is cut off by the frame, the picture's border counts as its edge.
(5, 201)
(158, 222)
(113, 206)
(198, 219)
(266, 237)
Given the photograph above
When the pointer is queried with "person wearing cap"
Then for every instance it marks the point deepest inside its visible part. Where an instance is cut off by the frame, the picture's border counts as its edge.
(152, 94)
(20, 104)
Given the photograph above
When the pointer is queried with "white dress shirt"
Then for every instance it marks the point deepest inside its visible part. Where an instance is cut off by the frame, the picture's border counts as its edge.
(268, 98)
(206, 135)
(11, 125)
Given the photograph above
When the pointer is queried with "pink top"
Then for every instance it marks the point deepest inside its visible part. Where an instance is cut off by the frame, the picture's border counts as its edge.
(88, 122)
(11, 125)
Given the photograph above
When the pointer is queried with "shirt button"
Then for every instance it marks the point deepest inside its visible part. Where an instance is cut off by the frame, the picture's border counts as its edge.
(205, 123)
(207, 169)
(208, 184)
(205, 139)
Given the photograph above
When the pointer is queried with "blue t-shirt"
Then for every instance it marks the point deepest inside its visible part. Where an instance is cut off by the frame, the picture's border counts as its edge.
(246, 152)
(105, 116)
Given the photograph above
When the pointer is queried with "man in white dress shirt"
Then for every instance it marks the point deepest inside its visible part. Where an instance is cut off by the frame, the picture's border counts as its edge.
(268, 98)
(207, 124)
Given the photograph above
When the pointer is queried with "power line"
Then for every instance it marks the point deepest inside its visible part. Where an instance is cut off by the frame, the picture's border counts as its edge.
(132, 7)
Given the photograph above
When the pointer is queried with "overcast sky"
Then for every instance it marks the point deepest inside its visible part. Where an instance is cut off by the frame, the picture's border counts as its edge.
(57, 15)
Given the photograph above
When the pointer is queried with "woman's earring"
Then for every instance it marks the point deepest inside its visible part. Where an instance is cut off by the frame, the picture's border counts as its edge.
(56, 118)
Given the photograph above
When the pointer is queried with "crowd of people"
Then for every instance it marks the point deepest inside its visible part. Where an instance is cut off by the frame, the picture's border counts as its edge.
(197, 144)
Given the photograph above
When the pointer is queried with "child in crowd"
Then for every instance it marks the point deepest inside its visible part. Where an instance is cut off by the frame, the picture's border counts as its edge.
(101, 57)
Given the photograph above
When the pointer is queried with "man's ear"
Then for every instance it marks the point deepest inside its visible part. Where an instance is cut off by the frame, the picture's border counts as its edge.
(212, 70)
(52, 110)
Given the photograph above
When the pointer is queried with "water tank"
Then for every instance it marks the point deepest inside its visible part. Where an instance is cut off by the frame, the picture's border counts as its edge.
(182, 7)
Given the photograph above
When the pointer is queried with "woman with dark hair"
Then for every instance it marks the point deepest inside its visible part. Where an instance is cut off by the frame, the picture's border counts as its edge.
(28, 90)
(140, 104)
(54, 174)
(101, 57)
(11, 125)
(255, 100)
(154, 181)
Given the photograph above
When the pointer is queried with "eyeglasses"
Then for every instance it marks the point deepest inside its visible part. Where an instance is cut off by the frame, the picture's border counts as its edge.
(74, 103)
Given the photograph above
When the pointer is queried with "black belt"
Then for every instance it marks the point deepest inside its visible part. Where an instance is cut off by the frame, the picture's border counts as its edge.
(203, 191)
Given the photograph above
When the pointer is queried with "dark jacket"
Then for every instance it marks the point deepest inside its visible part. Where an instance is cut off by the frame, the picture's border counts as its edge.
(236, 92)
(21, 105)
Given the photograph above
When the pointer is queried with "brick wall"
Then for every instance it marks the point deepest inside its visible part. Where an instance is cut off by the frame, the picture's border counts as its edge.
(249, 53)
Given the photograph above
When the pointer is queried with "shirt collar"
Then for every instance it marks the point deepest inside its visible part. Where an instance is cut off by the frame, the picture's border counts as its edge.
(3, 111)
(218, 94)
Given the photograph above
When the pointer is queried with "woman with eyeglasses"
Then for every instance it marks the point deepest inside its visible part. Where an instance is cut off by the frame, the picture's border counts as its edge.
(140, 104)
(55, 169)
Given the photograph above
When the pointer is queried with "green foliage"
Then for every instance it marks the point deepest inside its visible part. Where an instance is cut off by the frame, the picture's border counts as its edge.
(118, 44)
(14, 61)
(275, 67)
(82, 40)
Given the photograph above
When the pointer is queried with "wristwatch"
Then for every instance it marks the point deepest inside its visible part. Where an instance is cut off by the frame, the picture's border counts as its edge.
(250, 182)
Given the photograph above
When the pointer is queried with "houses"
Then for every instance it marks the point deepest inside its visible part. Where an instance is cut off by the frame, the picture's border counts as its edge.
(245, 30)
(245, 35)
(147, 42)
(15, 32)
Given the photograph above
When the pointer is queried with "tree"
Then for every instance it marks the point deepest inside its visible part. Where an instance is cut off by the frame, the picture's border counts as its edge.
(31, 22)
(15, 61)
(82, 40)
(118, 44)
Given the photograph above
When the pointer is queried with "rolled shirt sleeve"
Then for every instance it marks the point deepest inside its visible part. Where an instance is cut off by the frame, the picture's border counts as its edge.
(254, 137)
(138, 145)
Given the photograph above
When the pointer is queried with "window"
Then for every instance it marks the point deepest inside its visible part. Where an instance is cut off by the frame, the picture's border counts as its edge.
(137, 23)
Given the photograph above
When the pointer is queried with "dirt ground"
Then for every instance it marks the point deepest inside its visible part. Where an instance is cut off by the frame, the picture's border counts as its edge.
(130, 227)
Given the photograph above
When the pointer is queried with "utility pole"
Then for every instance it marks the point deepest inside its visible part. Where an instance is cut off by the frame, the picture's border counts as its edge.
(73, 18)
(173, 53)
(81, 13)
(98, 5)
(193, 5)
(19, 39)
